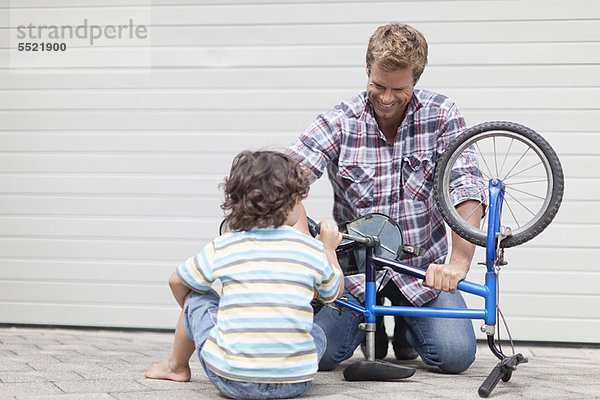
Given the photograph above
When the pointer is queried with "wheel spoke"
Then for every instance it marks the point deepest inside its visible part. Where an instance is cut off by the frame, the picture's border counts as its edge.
(486, 176)
(475, 161)
(485, 217)
(527, 193)
(506, 155)
(495, 157)
(506, 203)
(521, 204)
(484, 160)
(517, 163)
(520, 172)
(525, 182)
(475, 209)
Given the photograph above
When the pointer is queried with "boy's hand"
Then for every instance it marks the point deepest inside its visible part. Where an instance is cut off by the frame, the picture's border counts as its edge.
(329, 235)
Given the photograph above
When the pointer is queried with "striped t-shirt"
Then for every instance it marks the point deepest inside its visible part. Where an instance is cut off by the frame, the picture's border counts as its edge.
(265, 317)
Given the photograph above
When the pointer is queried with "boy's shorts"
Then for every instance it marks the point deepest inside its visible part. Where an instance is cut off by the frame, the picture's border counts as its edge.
(200, 315)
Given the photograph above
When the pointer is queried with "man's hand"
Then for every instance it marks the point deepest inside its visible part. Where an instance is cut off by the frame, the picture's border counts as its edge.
(445, 277)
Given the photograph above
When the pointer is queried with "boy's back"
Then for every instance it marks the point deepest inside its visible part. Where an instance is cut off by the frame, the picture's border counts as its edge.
(264, 318)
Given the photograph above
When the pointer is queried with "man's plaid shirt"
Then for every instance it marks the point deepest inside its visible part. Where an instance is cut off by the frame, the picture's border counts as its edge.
(369, 175)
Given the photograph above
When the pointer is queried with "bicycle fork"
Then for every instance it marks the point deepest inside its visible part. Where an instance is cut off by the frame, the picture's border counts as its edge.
(494, 259)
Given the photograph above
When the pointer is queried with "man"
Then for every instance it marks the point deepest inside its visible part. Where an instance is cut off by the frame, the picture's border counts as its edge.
(380, 149)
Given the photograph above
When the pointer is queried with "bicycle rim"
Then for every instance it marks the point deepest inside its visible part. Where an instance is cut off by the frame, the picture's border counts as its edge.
(526, 165)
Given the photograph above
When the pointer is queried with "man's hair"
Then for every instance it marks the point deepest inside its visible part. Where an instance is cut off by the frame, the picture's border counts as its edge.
(398, 46)
(261, 189)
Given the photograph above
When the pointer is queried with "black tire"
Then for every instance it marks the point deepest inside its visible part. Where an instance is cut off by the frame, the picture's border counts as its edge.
(467, 144)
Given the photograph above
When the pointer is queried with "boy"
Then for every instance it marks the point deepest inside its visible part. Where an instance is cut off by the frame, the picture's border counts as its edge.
(257, 339)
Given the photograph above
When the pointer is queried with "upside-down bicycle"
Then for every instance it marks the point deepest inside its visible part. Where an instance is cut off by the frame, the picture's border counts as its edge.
(523, 184)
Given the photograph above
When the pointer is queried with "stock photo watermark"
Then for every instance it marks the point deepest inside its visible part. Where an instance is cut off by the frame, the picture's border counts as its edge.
(80, 37)
(82, 31)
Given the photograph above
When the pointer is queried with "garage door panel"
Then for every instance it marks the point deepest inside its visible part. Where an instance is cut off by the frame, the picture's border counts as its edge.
(138, 143)
(266, 120)
(83, 270)
(125, 316)
(85, 293)
(103, 249)
(547, 330)
(437, 77)
(111, 205)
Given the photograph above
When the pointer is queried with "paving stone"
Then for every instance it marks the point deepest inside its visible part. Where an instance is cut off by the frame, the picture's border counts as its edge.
(29, 388)
(65, 396)
(162, 385)
(58, 366)
(12, 366)
(19, 347)
(37, 376)
(100, 386)
(122, 373)
(97, 358)
(13, 339)
(169, 395)
(565, 352)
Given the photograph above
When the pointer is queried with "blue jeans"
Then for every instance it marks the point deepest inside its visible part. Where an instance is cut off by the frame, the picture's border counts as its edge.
(447, 343)
(200, 313)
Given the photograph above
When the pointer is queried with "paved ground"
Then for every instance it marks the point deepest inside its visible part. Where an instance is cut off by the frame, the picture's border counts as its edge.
(69, 364)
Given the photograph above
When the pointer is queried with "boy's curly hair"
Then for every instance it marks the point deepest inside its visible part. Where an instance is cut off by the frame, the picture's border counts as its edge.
(261, 189)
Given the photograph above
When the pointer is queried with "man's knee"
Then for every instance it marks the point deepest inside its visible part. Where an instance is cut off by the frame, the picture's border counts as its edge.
(456, 357)
(456, 365)
(343, 336)
(327, 363)
(455, 344)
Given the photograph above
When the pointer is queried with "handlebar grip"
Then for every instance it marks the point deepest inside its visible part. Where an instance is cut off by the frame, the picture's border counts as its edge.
(313, 227)
(490, 382)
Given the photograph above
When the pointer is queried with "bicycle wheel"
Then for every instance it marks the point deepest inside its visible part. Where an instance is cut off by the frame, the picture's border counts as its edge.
(522, 160)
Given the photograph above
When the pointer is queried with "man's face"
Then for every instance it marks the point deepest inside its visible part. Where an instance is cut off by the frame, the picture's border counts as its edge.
(389, 93)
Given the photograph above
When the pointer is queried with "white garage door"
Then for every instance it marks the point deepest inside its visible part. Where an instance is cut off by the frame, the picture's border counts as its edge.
(109, 168)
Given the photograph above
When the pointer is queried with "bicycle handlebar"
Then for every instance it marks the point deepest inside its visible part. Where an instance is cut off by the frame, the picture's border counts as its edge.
(503, 369)
(490, 382)
(314, 229)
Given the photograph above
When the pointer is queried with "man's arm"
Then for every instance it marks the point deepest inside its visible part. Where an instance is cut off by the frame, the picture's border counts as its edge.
(179, 290)
(446, 276)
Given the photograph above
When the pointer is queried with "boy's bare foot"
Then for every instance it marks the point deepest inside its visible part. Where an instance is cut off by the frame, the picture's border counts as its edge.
(166, 370)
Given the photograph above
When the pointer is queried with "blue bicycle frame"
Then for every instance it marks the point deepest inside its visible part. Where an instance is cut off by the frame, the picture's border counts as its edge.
(488, 290)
